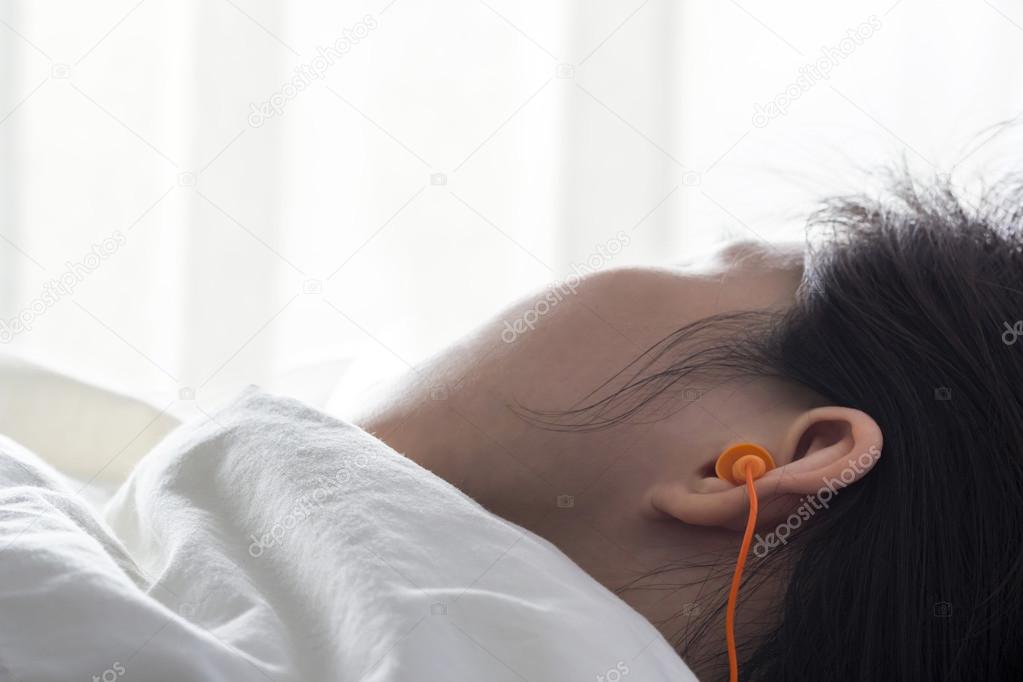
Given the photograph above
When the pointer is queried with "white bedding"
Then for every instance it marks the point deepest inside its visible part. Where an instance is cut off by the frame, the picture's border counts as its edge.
(274, 542)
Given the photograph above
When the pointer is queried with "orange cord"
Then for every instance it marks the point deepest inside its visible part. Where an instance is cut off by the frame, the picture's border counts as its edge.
(733, 594)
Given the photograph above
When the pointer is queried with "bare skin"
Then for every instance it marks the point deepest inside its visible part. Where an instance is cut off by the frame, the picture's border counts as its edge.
(624, 501)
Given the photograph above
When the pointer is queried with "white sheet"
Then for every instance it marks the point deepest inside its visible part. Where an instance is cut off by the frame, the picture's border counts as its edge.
(277, 543)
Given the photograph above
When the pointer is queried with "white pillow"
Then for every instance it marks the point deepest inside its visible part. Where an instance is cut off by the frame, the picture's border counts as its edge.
(87, 432)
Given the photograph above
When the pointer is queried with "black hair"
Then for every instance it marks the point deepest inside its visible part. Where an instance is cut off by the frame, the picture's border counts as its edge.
(910, 311)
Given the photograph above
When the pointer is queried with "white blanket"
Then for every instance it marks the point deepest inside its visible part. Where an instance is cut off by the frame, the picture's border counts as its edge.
(276, 543)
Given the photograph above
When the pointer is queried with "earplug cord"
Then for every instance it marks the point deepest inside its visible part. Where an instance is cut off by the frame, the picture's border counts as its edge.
(733, 595)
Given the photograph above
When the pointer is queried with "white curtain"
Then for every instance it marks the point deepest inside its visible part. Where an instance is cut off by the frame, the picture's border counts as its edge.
(199, 195)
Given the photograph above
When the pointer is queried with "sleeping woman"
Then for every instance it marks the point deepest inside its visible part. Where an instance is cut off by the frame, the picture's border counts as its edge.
(480, 522)
(884, 373)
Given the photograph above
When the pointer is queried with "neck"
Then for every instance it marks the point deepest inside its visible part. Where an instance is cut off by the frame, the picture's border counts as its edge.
(574, 491)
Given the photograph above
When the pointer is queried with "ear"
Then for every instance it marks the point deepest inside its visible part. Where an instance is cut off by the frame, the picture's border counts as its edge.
(825, 448)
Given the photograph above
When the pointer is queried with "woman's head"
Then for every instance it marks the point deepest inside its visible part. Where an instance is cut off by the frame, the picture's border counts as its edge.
(909, 312)
(896, 331)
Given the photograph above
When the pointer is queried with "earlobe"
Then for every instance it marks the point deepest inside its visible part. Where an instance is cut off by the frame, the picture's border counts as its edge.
(712, 502)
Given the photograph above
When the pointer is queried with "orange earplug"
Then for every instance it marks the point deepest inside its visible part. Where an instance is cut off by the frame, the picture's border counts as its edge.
(731, 464)
(741, 464)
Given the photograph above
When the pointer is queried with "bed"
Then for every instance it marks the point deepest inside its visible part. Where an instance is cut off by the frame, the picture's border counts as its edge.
(272, 541)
